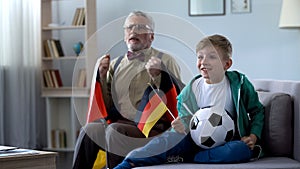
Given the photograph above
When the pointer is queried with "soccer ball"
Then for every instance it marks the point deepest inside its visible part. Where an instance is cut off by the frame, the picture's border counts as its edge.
(210, 129)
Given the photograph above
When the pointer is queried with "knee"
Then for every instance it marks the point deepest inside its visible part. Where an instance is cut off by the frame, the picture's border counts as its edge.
(92, 127)
(231, 152)
(237, 149)
(236, 146)
(115, 127)
(94, 130)
(118, 128)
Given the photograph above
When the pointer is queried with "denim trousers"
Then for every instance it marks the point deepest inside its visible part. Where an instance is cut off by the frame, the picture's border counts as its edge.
(173, 147)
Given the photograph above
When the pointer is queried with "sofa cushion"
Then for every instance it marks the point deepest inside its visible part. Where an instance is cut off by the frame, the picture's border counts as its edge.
(278, 129)
(264, 163)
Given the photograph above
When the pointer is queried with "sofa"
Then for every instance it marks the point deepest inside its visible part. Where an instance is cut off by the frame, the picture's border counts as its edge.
(281, 133)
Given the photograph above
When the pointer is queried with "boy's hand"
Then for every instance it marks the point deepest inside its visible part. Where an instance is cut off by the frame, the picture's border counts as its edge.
(250, 140)
(178, 125)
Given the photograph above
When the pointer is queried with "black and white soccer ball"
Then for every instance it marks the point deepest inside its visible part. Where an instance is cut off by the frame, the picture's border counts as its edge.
(210, 129)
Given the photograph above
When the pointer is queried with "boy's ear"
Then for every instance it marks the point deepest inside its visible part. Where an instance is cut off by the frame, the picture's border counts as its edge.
(228, 64)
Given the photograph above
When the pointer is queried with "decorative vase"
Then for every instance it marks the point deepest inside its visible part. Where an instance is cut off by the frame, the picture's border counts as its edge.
(77, 47)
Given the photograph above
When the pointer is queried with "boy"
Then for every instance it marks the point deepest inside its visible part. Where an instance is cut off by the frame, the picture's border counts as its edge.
(216, 87)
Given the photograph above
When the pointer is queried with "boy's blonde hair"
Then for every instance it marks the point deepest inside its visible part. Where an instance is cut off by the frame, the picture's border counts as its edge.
(217, 41)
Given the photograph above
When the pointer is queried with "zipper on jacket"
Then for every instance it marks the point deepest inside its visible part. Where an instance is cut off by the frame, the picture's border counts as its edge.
(238, 105)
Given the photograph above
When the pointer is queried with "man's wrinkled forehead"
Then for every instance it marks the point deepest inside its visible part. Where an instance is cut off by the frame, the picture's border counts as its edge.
(136, 20)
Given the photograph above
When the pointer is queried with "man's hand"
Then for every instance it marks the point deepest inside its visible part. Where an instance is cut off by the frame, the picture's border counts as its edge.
(178, 125)
(250, 140)
(153, 66)
(104, 66)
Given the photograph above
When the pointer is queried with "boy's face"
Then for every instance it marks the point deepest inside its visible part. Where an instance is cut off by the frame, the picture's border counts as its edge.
(212, 65)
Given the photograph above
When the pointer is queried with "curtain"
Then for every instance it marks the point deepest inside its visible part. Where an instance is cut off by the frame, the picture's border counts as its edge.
(22, 114)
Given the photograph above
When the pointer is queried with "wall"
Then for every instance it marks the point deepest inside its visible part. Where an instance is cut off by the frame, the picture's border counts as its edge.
(261, 49)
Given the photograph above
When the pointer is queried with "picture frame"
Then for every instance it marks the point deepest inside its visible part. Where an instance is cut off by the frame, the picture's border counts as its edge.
(206, 7)
(240, 6)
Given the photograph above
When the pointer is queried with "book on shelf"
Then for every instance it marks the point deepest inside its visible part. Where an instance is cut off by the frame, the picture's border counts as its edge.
(79, 17)
(47, 79)
(46, 49)
(81, 81)
(55, 51)
(82, 17)
(52, 78)
(75, 18)
(53, 48)
(58, 138)
(59, 48)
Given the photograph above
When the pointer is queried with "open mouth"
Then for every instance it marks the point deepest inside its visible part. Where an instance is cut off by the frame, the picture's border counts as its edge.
(203, 69)
(134, 39)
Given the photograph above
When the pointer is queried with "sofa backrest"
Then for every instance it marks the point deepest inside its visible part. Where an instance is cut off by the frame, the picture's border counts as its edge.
(293, 89)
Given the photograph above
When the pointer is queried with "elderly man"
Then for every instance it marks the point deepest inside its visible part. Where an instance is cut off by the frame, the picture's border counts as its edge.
(124, 81)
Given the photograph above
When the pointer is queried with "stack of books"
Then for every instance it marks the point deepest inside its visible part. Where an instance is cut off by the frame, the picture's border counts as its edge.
(79, 17)
(58, 138)
(53, 48)
(52, 78)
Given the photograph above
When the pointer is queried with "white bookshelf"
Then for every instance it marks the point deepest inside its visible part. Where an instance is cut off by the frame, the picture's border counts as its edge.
(66, 105)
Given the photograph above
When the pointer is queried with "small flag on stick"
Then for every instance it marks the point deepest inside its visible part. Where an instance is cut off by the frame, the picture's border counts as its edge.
(154, 105)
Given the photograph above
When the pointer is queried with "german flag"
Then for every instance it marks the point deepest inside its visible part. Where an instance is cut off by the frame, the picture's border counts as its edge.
(156, 102)
(96, 107)
(97, 110)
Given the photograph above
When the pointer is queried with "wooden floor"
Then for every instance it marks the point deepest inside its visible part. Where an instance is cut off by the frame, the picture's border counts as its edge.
(64, 160)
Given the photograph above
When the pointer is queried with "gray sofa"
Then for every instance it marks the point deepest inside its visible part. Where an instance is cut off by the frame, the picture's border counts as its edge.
(281, 131)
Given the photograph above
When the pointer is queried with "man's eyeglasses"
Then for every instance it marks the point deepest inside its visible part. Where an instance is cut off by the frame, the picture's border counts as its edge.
(141, 28)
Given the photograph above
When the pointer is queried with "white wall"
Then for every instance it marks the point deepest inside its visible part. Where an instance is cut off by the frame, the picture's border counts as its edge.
(261, 48)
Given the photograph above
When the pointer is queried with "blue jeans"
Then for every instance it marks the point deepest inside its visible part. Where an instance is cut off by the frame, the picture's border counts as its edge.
(175, 147)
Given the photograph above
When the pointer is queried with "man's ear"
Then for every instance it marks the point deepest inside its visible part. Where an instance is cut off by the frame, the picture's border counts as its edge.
(228, 64)
(152, 36)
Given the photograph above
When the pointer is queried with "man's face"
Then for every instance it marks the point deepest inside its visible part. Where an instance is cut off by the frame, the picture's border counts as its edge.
(211, 64)
(137, 33)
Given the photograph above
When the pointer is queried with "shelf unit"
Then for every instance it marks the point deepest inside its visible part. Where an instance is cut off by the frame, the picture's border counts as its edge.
(66, 105)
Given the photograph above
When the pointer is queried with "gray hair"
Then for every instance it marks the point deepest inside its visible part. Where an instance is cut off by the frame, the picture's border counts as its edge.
(143, 14)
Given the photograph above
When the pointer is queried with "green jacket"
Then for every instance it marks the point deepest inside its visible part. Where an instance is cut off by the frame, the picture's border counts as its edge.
(250, 112)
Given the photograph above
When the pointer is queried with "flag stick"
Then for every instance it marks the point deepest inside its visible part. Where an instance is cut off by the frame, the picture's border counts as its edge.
(162, 101)
(189, 111)
(185, 106)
